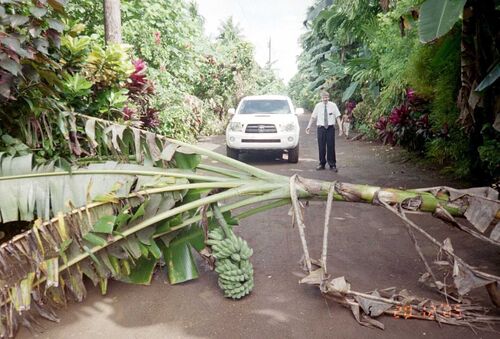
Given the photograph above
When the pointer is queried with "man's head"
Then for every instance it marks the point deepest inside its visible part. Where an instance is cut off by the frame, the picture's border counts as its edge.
(325, 96)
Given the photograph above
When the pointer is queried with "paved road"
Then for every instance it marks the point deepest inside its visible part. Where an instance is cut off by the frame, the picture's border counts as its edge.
(367, 245)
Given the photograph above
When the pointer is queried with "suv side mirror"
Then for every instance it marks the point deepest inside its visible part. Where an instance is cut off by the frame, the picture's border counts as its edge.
(231, 111)
(299, 111)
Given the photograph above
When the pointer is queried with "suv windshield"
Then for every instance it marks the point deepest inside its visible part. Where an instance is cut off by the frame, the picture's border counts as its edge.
(265, 106)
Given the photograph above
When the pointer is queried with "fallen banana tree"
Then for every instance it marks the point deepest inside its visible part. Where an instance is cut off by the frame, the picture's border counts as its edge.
(120, 220)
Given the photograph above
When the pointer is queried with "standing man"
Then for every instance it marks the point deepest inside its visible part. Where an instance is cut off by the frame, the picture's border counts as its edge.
(325, 113)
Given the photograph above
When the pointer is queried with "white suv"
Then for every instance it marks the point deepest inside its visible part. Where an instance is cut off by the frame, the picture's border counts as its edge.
(264, 122)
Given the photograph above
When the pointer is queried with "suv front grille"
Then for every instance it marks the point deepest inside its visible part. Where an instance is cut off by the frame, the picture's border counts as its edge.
(260, 128)
(261, 140)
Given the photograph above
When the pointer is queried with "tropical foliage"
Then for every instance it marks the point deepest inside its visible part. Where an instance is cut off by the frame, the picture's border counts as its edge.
(101, 194)
(196, 80)
(373, 52)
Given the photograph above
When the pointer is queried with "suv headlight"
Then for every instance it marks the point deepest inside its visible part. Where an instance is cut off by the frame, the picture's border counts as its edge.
(290, 127)
(236, 126)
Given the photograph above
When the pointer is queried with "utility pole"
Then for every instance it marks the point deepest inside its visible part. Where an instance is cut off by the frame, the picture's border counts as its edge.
(112, 21)
(269, 46)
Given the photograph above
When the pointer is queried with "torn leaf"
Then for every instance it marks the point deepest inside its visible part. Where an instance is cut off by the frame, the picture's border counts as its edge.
(371, 307)
(314, 278)
(466, 280)
(339, 285)
(481, 212)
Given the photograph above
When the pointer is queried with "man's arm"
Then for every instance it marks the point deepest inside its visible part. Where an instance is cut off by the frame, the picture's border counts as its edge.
(337, 115)
(314, 116)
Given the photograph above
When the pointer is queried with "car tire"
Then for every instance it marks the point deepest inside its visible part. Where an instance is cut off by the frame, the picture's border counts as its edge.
(293, 155)
(232, 153)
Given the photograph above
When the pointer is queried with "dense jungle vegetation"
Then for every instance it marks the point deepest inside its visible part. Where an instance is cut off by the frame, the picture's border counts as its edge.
(167, 77)
(423, 93)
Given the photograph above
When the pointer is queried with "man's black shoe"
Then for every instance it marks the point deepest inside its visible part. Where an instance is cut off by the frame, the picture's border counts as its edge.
(333, 168)
(320, 167)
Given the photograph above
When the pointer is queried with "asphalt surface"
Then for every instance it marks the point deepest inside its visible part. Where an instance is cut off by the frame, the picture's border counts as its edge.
(367, 245)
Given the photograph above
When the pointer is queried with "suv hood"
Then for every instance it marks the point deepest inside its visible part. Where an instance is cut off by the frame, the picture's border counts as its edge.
(264, 118)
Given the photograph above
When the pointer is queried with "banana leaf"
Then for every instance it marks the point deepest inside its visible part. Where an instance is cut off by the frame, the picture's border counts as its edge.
(437, 17)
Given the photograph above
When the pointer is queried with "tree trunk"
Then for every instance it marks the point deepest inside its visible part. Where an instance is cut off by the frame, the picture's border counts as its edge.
(112, 21)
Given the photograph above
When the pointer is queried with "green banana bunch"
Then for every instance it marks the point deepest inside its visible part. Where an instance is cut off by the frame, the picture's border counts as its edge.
(232, 263)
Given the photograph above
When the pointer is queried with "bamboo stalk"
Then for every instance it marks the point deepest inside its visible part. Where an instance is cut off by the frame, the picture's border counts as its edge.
(348, 192)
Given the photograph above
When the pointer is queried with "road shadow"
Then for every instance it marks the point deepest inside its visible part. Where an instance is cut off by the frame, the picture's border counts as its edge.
(263, 158)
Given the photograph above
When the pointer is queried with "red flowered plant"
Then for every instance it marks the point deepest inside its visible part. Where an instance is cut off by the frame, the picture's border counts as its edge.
(385, 132)
(140, 88)
(138, 82)
(129, 113)
(407, 124)
(400, 116)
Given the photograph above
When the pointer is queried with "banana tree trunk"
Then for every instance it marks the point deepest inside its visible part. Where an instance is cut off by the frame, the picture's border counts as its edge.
(423, 200)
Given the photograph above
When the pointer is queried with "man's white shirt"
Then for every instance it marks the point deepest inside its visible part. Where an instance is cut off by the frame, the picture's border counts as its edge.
(319, 111)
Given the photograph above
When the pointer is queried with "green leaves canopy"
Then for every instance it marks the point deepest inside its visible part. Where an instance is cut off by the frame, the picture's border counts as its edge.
(437, 17)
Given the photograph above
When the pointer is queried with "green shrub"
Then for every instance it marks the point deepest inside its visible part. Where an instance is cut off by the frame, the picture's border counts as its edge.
(449, 151)
(489, 152)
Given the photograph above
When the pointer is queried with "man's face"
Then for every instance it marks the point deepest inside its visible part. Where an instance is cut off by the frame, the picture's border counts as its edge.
(325, 98)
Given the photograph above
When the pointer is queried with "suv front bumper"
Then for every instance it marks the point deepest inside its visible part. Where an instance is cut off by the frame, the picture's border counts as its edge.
(261, 141)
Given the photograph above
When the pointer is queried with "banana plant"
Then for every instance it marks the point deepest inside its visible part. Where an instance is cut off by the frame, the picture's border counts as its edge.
(105, 219)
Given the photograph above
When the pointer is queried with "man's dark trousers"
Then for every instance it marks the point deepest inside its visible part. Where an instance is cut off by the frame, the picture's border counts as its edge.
(326, 145)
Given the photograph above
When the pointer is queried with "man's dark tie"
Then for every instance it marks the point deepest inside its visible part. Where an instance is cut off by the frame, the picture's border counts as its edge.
(325, 118)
